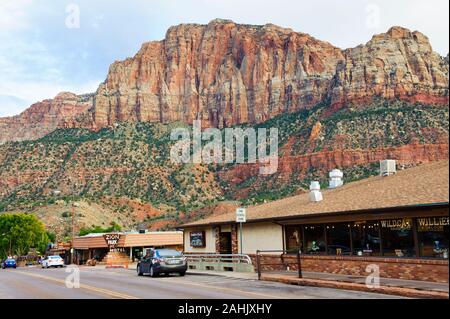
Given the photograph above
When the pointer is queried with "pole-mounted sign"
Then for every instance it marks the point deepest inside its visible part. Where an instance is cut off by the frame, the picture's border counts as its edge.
(241, 217)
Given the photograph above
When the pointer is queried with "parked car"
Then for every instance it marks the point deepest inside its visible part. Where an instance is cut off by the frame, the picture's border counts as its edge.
(9, 263)
(52, 261)
(162, 261)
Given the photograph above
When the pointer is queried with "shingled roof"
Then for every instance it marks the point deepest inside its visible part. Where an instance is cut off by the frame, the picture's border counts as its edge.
(421, 185)
(131, 240)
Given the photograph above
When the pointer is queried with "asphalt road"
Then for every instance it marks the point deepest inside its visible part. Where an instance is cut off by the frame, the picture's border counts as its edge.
(98, 283)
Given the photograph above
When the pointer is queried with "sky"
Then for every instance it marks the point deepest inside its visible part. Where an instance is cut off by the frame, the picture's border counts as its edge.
(50, 46)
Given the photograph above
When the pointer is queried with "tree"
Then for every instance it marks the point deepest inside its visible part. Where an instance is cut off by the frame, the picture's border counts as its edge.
(19, 233)
(97, 229)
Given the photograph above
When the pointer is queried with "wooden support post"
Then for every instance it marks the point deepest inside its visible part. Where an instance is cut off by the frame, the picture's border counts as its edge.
(299, 265)
(258, 264)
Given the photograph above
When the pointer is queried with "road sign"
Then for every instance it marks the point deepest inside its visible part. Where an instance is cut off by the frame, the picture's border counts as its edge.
(241, 216)
(112, 240)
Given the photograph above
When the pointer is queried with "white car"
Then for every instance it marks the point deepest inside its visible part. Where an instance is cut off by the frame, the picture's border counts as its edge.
(52, 261)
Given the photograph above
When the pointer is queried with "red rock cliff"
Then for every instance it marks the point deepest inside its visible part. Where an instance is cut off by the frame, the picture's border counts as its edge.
(225, 73)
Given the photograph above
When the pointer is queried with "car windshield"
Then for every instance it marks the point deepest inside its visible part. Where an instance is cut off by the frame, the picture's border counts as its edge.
(54, 257)
(169, 252)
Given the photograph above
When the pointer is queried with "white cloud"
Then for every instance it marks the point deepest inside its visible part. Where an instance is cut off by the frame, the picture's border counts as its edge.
(39, 56)
(14, 14)
(10, 105)
(37, 91)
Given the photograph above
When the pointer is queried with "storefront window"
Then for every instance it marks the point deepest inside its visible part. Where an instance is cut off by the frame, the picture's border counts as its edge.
(315, 239)
(338, 239)
(398, 239)
(366, 238)
(433, 237)
(293, 238)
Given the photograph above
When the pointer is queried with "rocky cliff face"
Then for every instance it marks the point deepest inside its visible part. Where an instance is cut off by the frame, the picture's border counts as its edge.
(65, 110)
(398, 64)
(225, 74)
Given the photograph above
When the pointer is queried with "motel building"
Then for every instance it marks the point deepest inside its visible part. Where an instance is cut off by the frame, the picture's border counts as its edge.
(398, 221)
(123, 246)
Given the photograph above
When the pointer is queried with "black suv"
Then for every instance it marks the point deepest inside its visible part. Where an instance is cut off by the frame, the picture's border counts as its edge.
(162, 261)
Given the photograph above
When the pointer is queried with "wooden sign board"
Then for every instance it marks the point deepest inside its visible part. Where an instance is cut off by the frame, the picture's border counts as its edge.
(112, 240)
(197, 239)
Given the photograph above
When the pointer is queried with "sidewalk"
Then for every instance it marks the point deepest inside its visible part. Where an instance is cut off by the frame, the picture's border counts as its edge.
(407, 288)
(400, 287)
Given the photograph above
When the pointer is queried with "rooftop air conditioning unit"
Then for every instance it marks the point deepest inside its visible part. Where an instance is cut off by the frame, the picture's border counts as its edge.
(336, 176)
(388, 167)
(315, 195)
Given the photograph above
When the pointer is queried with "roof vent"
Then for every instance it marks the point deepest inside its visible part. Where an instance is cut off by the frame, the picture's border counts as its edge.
(315, 195)
(387, 167)
(336, 176)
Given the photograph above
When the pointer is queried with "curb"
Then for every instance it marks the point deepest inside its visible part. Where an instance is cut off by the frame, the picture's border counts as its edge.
(389, 290)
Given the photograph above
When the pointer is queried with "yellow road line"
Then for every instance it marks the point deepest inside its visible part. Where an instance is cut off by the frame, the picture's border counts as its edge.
(107, 292)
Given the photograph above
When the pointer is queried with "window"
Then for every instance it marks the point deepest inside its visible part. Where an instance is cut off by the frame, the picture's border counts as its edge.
(315, 239)
(293, 239)
(398, 239)
(197, 239)
(168, 253)
(366, 238)
(433, 237)
(338, 239)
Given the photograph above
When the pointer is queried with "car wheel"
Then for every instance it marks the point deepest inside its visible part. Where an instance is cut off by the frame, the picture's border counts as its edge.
(152, 272)
(138, 269)
(182, 273)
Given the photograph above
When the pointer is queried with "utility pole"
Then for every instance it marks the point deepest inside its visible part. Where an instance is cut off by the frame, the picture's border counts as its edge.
(72, 250)
(240, 237)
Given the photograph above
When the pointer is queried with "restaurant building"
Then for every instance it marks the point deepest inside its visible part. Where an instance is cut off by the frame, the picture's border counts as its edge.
(133, 245)
(399, 222)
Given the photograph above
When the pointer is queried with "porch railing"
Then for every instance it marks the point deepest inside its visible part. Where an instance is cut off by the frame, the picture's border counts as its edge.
(220, 262)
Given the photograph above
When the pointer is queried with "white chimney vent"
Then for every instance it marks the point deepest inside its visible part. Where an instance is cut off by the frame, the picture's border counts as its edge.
(388, 167)
(336, 176)
(315, 195)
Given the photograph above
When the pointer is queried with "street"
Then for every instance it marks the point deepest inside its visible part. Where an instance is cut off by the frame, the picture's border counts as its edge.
(99, 283)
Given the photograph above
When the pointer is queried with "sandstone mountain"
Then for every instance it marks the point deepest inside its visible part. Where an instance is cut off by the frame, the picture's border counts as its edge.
(226, 74)
(334, 108)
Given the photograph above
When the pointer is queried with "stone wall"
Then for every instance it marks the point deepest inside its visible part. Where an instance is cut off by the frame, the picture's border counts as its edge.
(410, 269)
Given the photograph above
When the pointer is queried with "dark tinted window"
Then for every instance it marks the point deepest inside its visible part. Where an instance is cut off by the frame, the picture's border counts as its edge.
(315, 239)
(338, 239)
(433, 237)
(366, 238)
(398, 239)
(293, 238)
